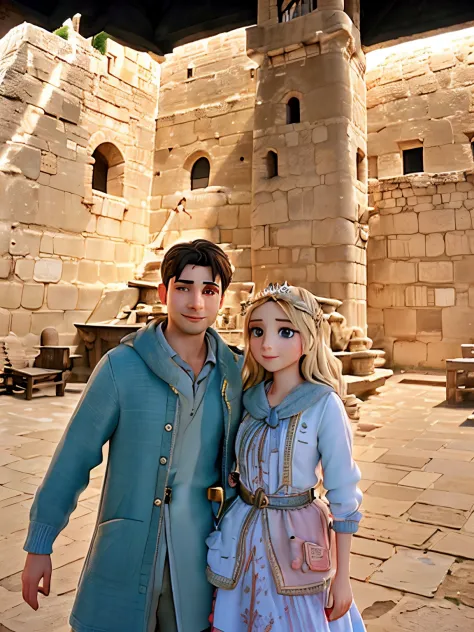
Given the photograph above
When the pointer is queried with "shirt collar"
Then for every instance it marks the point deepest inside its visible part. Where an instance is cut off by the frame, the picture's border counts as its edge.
(210, 341)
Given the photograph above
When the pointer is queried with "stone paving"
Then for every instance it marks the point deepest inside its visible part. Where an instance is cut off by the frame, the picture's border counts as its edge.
(413, 558)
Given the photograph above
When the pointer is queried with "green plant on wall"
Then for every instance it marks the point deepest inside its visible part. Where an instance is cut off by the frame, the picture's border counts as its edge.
(62, 31)
(99, 42)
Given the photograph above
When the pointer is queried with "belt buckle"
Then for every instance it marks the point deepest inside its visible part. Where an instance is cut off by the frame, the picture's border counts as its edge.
(260, 499)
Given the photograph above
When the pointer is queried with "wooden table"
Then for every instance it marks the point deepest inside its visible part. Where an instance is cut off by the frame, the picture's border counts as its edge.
(34, 377)
(457, 371)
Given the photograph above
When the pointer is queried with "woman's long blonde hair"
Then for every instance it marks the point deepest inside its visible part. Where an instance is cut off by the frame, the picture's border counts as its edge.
(319, 364)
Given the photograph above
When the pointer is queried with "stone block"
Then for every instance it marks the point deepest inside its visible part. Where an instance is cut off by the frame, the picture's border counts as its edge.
(70, 271)
(69, 245)
(337, 231)
(70, 176)
(258, 237)
(428, 321)
(457, 322)
(439, 352)
(47, 243)
(21, 323)
(10, 294)
(108, 227)
(409, 353)
(42, 319)
(25, 158)
(274, 212)
(62, 296)
(319, 134)
(326, 254)
(88, 271)
(107, 273)
(32, 296)
(5, 321)
(89, 297)
(445, 297)
(338, 271)
(406, 223)
(48, 270)
(24, 269)
(457, 243)
(434, 245)
(437, 221)
(436, 271)
(6, 268)
(19, 199)
(99, 249)
(24, 242)
(400, 323)
(464, 270)
(416, 296)
(392, 272)
(228, 217)
(463, 219)
(122, 252)
(294, 234)
(377, 248)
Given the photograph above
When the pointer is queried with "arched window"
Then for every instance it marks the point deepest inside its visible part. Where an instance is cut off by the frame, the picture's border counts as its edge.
(200, 174)
(272, 164)
(293, 111)
(109, 170)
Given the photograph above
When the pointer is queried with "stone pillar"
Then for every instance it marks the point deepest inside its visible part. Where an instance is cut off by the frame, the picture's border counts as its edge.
(309, 187)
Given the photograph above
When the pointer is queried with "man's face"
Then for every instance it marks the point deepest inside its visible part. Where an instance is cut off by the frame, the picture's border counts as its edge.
(193, 300)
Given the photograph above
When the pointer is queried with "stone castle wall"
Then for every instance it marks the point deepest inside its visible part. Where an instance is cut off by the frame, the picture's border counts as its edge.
(421, 267)
(61, 242)
(208, 114)
(421, 245)
(421, 94)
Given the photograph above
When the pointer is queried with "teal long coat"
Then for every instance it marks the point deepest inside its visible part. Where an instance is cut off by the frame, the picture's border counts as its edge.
(131, 402)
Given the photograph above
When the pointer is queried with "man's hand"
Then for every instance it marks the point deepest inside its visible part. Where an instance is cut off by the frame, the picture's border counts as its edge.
(37, 567)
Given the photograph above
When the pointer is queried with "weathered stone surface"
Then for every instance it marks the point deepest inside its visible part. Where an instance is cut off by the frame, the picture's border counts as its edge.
(48, 270)
(458, 585)
(385, 506)
(24, 269)
(62, 296)
(32, 295)
(414, 615)
(413, 571)
(362, 567)
(69, 245)
(396, 531)
(431, 514)
(10, 294)
(420, 480)
(464, 502)
(457, 544)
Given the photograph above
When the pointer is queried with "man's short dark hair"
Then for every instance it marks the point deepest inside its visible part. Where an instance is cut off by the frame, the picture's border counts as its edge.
(199, 252)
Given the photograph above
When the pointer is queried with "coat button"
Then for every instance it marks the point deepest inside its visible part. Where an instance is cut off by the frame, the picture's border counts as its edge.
(157, 502)
(168, 427)
(163, 460)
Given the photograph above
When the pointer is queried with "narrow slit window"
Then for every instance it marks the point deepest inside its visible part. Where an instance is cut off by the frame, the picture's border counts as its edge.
(293, 111)
(200, 174)
(413, 160)
(272, 164)
(190, 72)
(360, 161)
(472, 148)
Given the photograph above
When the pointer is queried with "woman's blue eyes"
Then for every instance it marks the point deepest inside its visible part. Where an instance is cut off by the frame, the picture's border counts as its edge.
(284, 332)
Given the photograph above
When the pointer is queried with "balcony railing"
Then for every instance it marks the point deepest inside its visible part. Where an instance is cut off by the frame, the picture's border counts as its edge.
(291, 9)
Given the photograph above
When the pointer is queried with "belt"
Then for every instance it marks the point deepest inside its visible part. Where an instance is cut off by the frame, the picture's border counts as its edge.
(272, 501)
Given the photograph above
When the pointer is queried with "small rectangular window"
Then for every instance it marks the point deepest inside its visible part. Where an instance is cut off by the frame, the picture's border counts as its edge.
(190, 72)
(413, 160)
(472, 148)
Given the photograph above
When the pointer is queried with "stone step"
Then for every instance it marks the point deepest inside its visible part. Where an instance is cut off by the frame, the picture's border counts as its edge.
(367, 384)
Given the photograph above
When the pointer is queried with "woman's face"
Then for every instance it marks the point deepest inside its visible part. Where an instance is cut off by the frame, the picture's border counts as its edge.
(274, 342)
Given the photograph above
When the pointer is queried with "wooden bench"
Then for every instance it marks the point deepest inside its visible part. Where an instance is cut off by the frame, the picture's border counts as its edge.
(34, 377)
(457, 384)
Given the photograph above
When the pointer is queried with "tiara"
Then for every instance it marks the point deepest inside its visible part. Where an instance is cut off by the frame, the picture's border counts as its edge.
(283, 292)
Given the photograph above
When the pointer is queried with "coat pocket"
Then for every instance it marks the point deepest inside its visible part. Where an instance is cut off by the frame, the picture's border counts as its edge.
(117, 551)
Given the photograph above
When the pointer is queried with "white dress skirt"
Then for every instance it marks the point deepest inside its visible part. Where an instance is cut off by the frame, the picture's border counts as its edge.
(254, 605)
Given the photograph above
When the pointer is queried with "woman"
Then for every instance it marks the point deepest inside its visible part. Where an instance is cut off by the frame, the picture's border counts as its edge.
(280, 555)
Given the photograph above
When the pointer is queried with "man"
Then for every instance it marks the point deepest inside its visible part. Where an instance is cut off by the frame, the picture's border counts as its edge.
(167, 400)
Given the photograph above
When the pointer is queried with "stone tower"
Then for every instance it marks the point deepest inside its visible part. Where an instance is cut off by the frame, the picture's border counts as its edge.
(309, 178)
